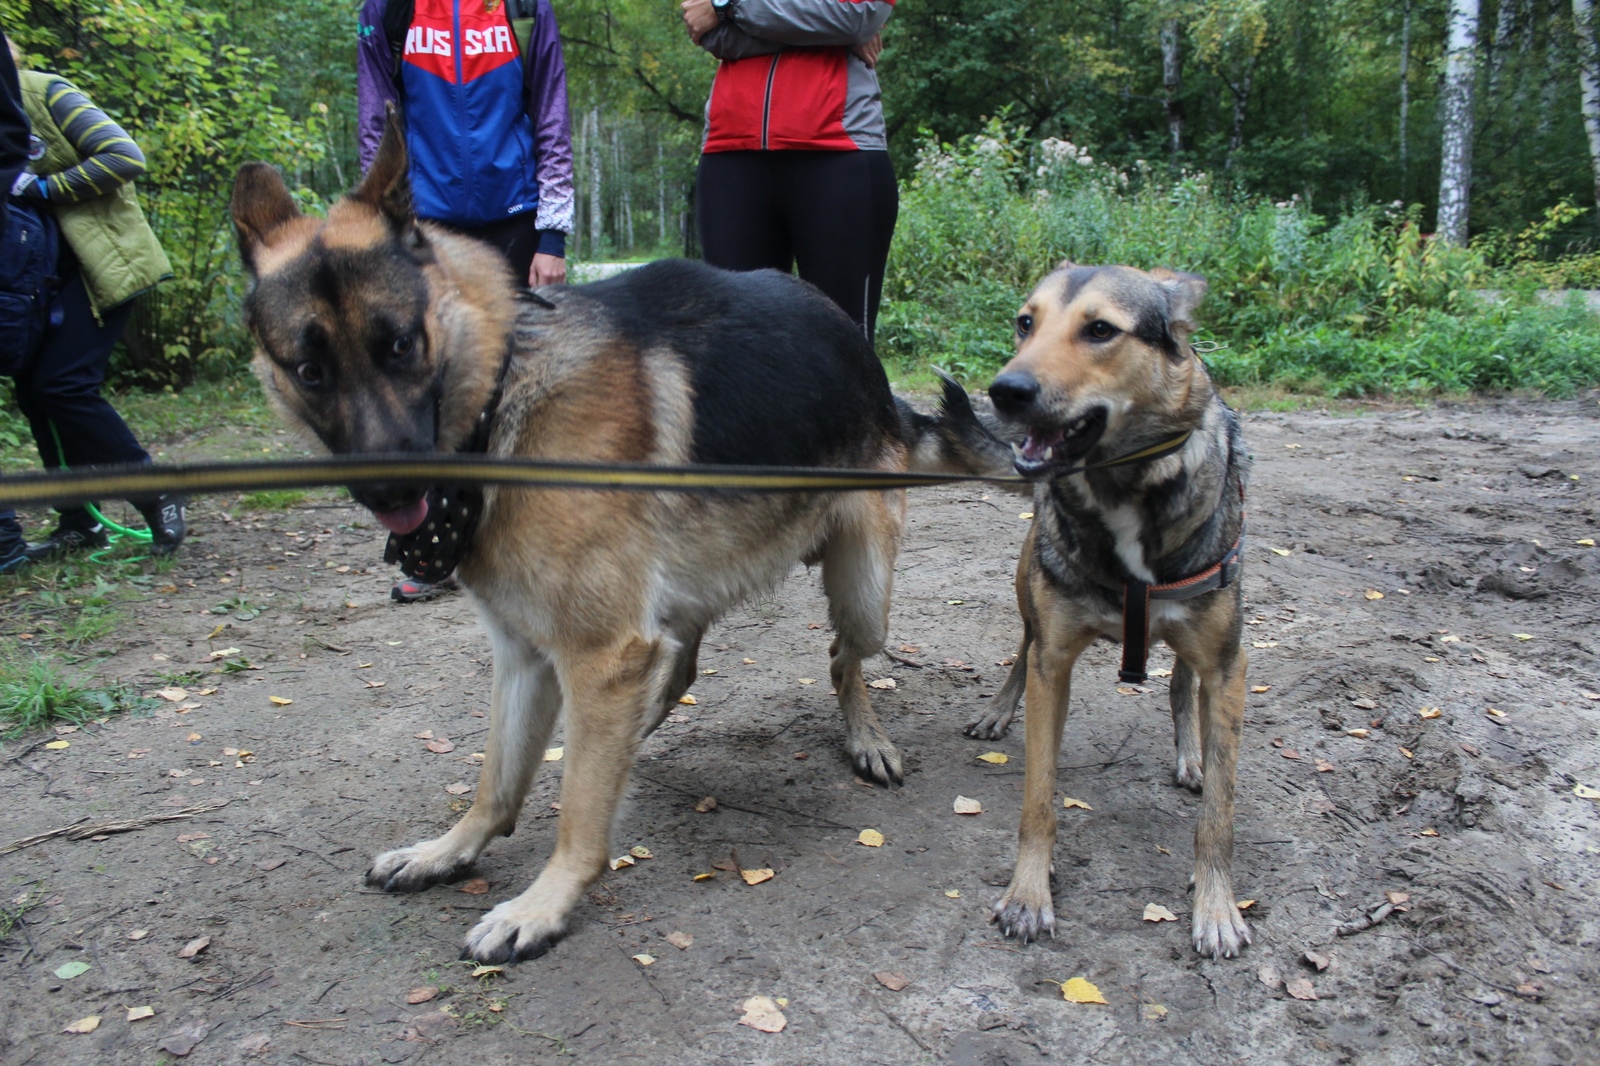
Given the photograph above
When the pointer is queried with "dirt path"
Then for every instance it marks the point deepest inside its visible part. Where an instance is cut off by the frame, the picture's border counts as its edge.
(1465, 517)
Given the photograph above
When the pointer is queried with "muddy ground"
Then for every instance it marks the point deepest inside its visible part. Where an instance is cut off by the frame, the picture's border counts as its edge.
(1466, 517)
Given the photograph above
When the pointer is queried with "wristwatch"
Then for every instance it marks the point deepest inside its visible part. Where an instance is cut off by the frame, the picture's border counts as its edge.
(725, 9)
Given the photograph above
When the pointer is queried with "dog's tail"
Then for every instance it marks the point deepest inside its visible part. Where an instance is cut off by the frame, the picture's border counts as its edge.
(956, 440)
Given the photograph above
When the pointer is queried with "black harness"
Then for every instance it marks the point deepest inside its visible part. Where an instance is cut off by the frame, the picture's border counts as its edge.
(433, 550)
(1136, 597)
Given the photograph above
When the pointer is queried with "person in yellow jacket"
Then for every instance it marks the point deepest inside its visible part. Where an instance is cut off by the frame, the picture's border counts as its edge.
(82, 166)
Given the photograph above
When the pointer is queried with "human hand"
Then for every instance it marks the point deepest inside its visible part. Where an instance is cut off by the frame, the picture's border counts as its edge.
(700, 17)
(868, 51)
(546, 270)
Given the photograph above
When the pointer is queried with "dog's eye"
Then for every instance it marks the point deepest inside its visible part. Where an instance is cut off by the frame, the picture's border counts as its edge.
(1024, 325)
(404, 345)
(309, 374)
(1102, 330)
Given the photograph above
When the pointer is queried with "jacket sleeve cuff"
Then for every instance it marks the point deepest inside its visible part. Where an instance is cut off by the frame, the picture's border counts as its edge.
(553, 242)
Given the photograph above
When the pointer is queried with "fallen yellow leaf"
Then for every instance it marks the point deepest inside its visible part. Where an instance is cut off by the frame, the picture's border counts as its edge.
(755, 877)
(1429, 712)
(1279, 551)
(704, 877)
(57, 745)
(808, 681)
(643, 959)
(883, 683)
(999, 758)
(762, 1014)
(1078, 990)
(688, 700)
(966, 805)
(639, 851)
(1155, 912)
(1069, 803)
(1406, 752)
(1245, 904)
(553, 754)
(620, 861)
(1495, 712)
(1263, 644)
(1586, 542)
(1359, 734)
(1523, 636)
(1429, 832)
(281, 701)
(84, 1025)
(1026, 516)
(1153, 1012)
(1374, 594)
(1260, 688)
(137, 1013)
(1586, 792)
(871, 838)
(953, 893)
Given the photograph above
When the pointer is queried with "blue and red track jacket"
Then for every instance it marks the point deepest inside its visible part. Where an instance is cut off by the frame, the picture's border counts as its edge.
(788, 79)
(488, 131)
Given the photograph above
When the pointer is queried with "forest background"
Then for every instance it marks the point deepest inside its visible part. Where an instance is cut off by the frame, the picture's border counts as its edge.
(1295, 153)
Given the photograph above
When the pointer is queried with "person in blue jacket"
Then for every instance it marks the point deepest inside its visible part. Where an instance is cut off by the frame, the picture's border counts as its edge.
(488, 131)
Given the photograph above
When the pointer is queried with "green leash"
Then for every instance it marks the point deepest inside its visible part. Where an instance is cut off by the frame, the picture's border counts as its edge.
(117, 531)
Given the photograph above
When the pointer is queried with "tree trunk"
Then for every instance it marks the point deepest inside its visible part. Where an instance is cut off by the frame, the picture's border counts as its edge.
(1589, 83)
(1455, 156)
(1504, 27)
(1172, 80)
(596, 204)
(1405, 100)
(661, 195)
(1241, 102)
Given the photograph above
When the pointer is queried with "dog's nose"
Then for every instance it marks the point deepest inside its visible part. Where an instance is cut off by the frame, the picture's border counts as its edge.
(1013, 392)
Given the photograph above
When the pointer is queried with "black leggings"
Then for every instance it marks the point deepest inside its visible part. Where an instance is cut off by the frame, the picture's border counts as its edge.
(830, 213)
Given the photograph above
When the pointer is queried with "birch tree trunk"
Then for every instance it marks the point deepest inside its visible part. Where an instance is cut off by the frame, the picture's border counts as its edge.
(596, 204)
(1455, 164)
(1504, 27)
(1589, 83)
(1405, 100)
(1172, 81)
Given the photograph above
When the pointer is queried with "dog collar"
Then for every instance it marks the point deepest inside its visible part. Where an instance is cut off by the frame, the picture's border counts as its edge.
(1136, 597)
(433, 550)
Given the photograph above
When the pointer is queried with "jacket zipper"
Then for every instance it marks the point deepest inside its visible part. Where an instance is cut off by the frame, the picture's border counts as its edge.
(766, 104)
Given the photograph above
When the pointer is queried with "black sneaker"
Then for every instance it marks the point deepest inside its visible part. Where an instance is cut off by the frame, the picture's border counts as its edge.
(67, 539)
(14, 558)
(410, 590)
(165, 515)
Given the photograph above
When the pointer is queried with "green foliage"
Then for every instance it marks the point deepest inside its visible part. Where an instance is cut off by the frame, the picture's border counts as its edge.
(34, 694)
(199, 106)
(1358, 305)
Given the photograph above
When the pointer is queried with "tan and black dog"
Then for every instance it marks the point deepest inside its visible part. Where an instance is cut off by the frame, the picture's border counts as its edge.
(1103, 374)
(378, 333)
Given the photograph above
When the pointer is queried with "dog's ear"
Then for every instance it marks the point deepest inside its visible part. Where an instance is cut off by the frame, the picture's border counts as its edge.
(261, 203)
(1184, 293)
(1065, 264)
(387, 185)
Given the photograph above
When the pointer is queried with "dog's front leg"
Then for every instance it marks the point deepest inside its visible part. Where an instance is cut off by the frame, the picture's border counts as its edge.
(523, 708)
(1026, 910)
(611, 695)
(1219, 928)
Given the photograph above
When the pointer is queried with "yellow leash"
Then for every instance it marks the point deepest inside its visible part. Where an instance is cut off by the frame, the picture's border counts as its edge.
(134, 481)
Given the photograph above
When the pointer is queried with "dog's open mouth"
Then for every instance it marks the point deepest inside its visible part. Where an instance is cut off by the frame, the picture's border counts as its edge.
(1045, 450)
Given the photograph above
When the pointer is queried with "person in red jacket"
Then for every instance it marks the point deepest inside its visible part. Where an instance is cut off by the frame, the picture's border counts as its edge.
(795, 167)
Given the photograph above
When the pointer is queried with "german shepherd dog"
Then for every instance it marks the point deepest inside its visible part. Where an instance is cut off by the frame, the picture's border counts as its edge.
(379, 333)
(1103, 369)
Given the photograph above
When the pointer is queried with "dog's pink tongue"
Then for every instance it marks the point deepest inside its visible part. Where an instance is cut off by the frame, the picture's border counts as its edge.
(405, 519)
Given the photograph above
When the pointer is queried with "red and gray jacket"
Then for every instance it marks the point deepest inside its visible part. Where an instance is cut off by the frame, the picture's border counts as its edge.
(788, 79)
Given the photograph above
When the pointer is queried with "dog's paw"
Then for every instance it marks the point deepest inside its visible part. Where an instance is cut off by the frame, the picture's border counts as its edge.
(1189, 774)
(512, 932)
(1220, 930)
(992, 726)
(1023, 920)
(415, 868)
(877, 761)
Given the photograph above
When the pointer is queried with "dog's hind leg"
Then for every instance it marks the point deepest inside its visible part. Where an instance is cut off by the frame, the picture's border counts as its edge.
(1186, 726)
(996, 722)
(524, 705)
(611, 693)
(1026, 911)
(858, 575)
(680, 674)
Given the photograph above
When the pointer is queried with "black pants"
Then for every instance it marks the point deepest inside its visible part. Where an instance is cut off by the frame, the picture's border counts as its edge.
(832, 214)
(517, 237)
(61, 386)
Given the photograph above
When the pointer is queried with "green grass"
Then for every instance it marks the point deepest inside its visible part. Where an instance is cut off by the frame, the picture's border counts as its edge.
(34, 694)
(272, 499)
